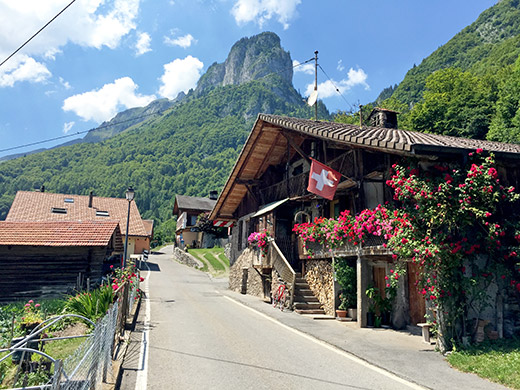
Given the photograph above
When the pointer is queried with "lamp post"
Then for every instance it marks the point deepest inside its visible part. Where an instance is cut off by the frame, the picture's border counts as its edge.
(130, 193)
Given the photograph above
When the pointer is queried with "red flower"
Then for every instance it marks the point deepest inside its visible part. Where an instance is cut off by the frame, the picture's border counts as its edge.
(479, 150)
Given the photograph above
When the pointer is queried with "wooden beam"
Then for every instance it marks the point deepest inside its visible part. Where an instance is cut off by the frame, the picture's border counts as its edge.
(295, 147)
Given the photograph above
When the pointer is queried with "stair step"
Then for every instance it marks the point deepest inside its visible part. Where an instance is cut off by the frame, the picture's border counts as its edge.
(310, 311)
(307, 305)
(305, 298)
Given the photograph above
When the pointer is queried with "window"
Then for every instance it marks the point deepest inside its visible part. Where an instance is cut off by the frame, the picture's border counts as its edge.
(58, 210)
(100, 213)
(69, 200)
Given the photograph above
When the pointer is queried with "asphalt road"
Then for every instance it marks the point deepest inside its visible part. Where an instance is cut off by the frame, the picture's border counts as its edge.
(191, 336)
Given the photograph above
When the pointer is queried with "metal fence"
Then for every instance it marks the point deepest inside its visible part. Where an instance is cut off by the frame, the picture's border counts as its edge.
(91, 364)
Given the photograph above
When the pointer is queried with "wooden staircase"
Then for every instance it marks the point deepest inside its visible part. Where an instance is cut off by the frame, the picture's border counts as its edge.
(304, 300)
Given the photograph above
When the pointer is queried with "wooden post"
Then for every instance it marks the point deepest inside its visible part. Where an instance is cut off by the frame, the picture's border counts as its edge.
(362, 284)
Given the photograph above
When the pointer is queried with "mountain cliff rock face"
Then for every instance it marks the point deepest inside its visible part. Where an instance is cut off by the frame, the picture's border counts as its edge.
(249, 59)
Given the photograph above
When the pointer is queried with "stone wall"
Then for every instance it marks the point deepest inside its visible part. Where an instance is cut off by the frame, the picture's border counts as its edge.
(185, 258)
(243, 278)
(320, 278)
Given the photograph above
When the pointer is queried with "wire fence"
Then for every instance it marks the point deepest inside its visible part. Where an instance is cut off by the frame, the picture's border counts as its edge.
(91, 363)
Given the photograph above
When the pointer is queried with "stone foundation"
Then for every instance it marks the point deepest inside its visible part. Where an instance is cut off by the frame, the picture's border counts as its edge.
(243, 278)
(319, 275)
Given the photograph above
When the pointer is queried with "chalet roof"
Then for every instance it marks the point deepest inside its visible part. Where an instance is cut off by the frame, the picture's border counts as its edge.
(63, 233)
(267, 145)
(184, 202)
(47, 206)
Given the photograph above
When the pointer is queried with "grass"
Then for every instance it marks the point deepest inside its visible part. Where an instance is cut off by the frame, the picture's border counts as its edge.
(213, 260)
(498, 361)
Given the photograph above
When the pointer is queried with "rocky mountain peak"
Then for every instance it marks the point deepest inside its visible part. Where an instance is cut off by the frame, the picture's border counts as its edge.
(249, 59)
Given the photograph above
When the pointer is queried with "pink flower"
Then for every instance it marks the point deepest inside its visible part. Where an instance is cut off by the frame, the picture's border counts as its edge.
(31, 301)
(479, 150)
(37, 305)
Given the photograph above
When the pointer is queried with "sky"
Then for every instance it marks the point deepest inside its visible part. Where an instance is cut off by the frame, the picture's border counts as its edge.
(100, 57)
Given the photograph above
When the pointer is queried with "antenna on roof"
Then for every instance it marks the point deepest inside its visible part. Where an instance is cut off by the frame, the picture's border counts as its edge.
(360, 116)
(316, 84)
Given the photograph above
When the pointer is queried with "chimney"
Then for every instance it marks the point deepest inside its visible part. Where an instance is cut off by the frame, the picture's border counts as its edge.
(42, 189)
(90, 198)
(213, 195)
(382, 117)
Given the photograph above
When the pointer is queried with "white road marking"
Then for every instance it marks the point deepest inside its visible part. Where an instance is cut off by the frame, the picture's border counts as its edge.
(335, 349)
(141, 382)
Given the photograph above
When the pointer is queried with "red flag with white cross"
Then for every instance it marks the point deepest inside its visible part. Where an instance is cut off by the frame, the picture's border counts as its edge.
(323, 180)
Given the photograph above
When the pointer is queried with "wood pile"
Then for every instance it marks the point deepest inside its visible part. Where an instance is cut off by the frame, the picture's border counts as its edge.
(320, 278)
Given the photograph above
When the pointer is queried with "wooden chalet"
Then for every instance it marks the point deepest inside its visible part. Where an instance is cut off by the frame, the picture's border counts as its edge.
(47, 206)
(51, 258)
(187, 209)
(267, 189)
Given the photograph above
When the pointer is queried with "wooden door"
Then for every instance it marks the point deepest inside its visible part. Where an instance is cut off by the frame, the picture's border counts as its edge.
(415, 298)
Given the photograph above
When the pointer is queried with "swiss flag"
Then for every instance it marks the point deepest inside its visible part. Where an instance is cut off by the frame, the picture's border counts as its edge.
(323, 180)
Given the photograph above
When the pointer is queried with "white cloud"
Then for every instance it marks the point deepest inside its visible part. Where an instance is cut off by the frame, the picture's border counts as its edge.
(340, 66)
(184, 41)
(23, 68)
(328, 88)
(260, 11)
(64, 83)
(180, 75)
(304, 68)
(90, 23)
(101, 105)
(143, 44)
(68, 126)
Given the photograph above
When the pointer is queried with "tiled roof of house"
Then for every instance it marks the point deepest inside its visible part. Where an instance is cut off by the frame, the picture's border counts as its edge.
(46, 206)
(65, 233)
(383, 138)
(184, 202)
(148, 225)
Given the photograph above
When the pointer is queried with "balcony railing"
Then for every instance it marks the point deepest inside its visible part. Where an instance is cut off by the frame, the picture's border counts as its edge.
(372, 246)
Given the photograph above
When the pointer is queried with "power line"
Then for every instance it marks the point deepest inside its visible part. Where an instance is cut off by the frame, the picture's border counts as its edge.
(336, 88)
(37, 32)
(79, 132)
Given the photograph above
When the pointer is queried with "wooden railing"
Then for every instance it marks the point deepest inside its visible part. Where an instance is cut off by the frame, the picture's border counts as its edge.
(284, 269)
(373, 245)
(295, 186)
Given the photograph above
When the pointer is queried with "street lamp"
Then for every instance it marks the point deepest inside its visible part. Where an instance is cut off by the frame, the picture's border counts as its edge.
(130, 193)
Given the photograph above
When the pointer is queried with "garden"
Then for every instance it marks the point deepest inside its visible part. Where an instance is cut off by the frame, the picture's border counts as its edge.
(63, 337)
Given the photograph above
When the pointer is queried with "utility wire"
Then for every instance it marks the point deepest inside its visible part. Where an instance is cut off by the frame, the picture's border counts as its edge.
(336, 88)
(79, 132)
(39, 31)
(128, 120)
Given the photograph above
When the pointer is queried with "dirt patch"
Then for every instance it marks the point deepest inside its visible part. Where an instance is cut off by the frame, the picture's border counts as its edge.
(76, 329)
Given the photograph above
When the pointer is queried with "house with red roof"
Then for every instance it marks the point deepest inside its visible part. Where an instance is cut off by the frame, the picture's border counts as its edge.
(49, 258)
(38, 206)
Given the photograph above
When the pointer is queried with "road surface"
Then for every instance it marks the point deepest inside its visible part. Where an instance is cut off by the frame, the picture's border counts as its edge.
(192, 336)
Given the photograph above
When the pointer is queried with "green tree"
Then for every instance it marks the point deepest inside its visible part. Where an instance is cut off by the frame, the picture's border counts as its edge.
(455, 103)
(505, 125)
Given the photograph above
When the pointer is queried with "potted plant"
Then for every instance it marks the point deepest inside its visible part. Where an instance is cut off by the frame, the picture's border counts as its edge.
(341, 311)
(347, 279)
(372, 294)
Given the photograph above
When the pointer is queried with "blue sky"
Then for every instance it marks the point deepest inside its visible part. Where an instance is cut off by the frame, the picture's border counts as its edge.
(104, 56)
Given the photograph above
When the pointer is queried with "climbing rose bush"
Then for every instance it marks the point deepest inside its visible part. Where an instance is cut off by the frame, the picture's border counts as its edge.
(457, 224)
